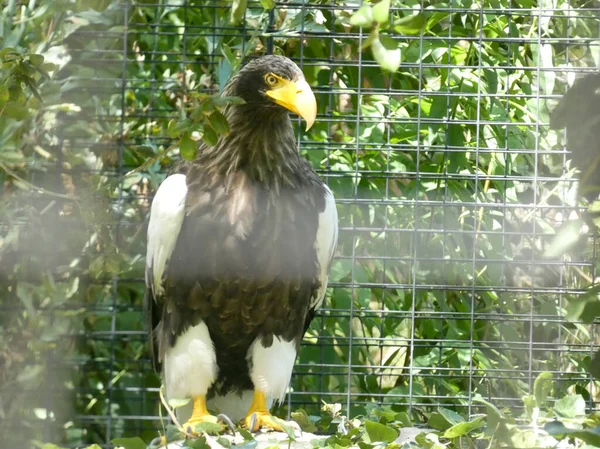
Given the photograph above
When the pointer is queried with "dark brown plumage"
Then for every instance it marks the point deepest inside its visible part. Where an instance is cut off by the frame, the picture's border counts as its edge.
(244, 288)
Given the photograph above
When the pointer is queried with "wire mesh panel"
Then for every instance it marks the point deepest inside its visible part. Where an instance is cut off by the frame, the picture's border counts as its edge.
(450, 186)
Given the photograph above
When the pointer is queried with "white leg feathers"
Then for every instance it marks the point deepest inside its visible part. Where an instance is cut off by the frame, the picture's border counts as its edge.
(190, 367)
(271, 368)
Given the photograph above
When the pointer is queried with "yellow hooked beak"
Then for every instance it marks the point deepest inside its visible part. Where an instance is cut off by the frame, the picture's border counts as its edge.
(296, 96)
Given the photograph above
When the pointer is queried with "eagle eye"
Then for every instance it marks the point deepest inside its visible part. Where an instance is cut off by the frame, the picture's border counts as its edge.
(271, 79)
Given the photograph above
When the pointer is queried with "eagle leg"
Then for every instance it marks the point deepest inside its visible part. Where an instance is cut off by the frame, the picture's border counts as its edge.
(259, 416)
(200, 414)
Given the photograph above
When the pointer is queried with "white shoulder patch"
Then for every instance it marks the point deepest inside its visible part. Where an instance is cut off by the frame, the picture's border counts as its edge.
(326, 243)
(166, 217)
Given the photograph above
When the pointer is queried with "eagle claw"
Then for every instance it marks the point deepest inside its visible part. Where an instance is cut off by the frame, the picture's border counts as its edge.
(225, 419)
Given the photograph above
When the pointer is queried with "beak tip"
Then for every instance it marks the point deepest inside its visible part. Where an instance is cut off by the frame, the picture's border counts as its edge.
(309, 124)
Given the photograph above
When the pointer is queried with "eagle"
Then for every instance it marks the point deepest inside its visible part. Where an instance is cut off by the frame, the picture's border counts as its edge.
(240, 245)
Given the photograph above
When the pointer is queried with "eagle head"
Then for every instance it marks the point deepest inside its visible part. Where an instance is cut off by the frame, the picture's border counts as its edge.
(275, 84)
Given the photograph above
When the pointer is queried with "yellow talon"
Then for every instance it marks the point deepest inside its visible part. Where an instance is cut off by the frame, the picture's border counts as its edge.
(199, 414)
(259, 416)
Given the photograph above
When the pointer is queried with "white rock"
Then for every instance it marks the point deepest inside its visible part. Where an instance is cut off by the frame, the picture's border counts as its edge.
(266, 439)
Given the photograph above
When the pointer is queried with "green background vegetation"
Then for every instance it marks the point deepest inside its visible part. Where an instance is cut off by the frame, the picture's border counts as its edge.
(451, 190)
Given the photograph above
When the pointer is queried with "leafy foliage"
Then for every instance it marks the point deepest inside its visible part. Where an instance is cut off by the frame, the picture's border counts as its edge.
(451, 192)
(385, 49)
(563, 425)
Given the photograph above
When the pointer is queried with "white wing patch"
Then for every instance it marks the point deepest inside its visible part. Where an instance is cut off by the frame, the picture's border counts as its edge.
(166, 217)
(326, 243)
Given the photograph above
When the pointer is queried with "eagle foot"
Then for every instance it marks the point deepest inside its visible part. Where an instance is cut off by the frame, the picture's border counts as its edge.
(261, 419)
(223, 420)
(201, 415)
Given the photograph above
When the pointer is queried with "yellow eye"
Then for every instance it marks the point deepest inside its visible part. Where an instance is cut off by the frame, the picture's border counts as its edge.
(270, 79)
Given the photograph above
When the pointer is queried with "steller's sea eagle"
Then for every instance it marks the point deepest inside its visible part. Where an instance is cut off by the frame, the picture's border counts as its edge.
(240, 243)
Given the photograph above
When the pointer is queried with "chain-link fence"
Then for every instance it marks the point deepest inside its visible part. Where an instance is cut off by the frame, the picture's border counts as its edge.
(451, 189)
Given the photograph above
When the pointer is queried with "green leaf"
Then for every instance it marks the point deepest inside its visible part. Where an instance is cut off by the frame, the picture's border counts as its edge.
(5, 51)
(429, 441)
(36, 60)
(303, 420)
(363, 17)
(48, 67)
(112, 264)
(143, 151)
(198, 443)
(207, 107)
(530, 404)
(496, 422)
(595, 365)
(225, 100)
(246, 434)
(224, 442)
(211, 428)
(210, 136)
(238, 9)
(523, 438)
(188, 146)
(173, 129)
(267, 4)
(377, 432)
(585, 308)
(172, 433)
(571, 406)
(464, 428)
(404, 419)
(438, 421)
(559, 430)
(130, 443)
(95, 17)
(176, 403)
(95, 266)
(386, 53)
(372, 36)
(33, 89)
(4, 94)
(410, 25)
(451, 416)
(381, 11)
(16, 111)
(219, 122)
(287, 428)
(541, 388)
